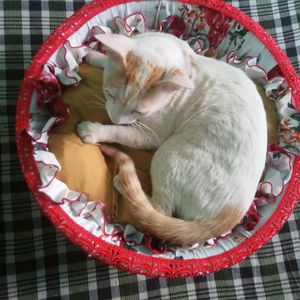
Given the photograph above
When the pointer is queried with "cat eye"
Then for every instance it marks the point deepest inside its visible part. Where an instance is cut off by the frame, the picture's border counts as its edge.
(111, 96)
(137, 112)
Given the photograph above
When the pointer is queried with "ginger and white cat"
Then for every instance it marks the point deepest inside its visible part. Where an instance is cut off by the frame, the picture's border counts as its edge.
(206, 120)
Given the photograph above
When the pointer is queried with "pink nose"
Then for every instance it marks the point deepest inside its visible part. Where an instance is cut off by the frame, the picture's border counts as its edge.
(116, 121)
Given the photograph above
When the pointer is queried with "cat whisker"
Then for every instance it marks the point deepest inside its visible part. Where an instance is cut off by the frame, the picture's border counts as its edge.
(99, 102)
(135, 126)
(97, 96)
(148, 128)
(107, 89)
(102, 100)
(138, 127)
(110, 90)
(96, 105)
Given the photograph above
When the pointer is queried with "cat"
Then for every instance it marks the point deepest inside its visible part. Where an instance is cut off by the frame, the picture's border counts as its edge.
(207, 122)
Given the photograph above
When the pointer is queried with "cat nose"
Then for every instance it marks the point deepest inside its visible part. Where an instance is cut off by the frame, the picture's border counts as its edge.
(116, 121)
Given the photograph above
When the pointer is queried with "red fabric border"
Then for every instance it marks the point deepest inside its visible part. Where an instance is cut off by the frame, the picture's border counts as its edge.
(116, 256)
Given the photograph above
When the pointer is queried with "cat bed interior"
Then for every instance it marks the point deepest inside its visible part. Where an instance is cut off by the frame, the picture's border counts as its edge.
(72, 181)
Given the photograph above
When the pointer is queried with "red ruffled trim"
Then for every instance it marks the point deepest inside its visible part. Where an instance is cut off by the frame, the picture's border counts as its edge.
(117, 256)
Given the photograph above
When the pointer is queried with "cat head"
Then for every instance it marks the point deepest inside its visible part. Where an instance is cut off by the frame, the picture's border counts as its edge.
(141, 74)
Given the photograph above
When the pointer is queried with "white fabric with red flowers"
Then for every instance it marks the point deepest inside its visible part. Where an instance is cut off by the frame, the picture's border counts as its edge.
(209, 33)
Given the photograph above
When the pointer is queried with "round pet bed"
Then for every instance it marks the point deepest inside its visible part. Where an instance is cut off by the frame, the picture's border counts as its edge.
(212, 28)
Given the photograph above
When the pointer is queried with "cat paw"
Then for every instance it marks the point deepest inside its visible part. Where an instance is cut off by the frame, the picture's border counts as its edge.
(88, 131)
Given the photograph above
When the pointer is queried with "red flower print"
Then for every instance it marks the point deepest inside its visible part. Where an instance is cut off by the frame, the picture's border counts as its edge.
(46, 86)
(174, 25)
(48, 92)
(59, 108)
(289, 134)
(210, 52)
(251, 218)
(275, 72)
(218, 26)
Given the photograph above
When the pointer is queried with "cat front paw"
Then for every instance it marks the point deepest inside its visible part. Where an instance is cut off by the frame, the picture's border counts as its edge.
(90, 132)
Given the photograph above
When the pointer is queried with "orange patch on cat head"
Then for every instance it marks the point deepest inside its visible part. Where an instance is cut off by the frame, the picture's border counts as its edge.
(133, 68)
(156, 75)
(132, 64)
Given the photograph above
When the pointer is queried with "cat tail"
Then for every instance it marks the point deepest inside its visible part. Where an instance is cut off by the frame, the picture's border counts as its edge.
(147, 219)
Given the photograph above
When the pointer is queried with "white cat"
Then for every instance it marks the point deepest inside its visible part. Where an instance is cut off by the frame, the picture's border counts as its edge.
(206, 120)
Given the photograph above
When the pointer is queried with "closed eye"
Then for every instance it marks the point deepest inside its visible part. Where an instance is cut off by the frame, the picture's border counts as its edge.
(137, 112)
(111, 96)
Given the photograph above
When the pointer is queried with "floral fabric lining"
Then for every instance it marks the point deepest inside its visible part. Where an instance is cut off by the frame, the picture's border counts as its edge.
(208, 33)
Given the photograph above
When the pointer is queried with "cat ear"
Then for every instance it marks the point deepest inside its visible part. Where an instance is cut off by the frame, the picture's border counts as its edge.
(118, 45)
(176, 79)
